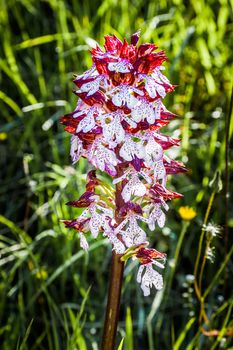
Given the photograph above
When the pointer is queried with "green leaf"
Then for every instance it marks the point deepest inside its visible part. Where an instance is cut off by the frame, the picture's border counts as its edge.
(14, 228)
(129, 330)
(120, 347)
(22, 346)
(182, 335)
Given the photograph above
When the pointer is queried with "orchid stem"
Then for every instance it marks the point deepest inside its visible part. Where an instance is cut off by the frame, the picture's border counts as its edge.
(115, 284)
(113, 304)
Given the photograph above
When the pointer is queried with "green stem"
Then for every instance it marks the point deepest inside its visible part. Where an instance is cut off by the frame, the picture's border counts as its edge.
(218, 273)
(196, 287)
(203, 230)
(203, 266)
(227, 180)
(185, 225)
(163, 295)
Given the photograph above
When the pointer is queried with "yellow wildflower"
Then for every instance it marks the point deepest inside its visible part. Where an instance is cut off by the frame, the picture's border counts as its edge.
(3, 136)
(42, 274)
(187, 213)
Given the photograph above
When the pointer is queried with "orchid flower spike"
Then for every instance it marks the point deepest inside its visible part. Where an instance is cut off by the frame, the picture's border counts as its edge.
(116, 127)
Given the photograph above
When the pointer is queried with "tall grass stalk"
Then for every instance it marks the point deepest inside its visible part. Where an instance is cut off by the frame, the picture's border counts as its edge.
(228, 123)
(197, 281)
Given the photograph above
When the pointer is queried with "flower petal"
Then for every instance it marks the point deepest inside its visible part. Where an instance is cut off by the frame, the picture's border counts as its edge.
(148, 278)
(86, 124)
(83, 241)
(76, 149)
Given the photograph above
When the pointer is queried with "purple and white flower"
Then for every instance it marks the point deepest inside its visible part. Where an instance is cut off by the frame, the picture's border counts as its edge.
(148, 277)
(123, 95)
(116, 127)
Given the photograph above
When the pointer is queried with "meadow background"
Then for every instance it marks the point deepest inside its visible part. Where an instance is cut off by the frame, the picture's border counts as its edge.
(52, 295)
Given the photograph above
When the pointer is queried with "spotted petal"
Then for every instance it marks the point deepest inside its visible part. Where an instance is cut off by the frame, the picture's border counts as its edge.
(154, 88)
(76, 149)
(103, 158)
(153, 152)
(142, 111)
(118, 246)
(148, 277)
(122, 66)
(83, 241)
(113, 131)
(92, 86)
(156, 215)
(124, 96)
(159, 77)
(133, 187)
(87, 123)
(96, 222)
(133, 234)
(130, 149)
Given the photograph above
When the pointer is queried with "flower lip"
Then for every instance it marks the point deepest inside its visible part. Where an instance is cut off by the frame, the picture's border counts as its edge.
(123, 66)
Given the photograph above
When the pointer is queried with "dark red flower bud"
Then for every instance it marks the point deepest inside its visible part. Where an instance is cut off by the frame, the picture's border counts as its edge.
(160, 191)
(78, 225)
(174, 167)
(85, 200)
(146, 255)
(135, 37)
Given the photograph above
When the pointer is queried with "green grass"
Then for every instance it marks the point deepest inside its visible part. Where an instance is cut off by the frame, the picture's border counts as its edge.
(52, 295)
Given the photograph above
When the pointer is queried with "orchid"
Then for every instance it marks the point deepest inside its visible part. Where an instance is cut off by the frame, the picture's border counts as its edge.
(116, 127)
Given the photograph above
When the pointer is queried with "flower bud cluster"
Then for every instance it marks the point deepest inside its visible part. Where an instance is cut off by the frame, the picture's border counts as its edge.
(116, 126)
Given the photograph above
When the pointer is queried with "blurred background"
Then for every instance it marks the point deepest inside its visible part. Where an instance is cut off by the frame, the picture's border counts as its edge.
(52, 295)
